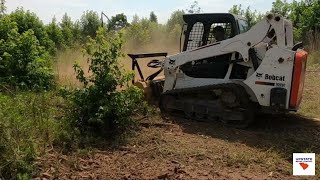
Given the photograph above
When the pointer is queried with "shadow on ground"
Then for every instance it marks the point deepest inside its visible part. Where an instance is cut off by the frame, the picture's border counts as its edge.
(285, 134)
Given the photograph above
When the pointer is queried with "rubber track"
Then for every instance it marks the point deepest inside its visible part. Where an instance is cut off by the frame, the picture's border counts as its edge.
(239, 91)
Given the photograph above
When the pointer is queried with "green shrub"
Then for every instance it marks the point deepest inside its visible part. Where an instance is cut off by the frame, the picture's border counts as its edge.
(26, 21)
(23, 61)
(101, 108)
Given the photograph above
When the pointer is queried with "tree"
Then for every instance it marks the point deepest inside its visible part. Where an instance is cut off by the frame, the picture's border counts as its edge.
(176, 18)
(237, 10)
(139, 32)
(3, 7)
(135, 19)
(90, 22)
(76, 31)
(24, 62)
(55, 33)
(281, 7)
(309, 23)
(118, 22)
(194, 8)
(252, 17)
(153, 17)
(66, 28)
(27, 20)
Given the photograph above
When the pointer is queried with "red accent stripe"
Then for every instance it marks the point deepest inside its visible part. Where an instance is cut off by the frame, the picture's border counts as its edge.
(299, 72)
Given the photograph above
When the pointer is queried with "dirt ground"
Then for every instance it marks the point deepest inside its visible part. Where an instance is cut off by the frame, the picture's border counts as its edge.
(195, 150)
(174, 148)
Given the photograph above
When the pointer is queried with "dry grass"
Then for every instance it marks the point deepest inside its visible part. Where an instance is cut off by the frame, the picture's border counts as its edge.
(65, 59)
(64, 71)
(311, 99)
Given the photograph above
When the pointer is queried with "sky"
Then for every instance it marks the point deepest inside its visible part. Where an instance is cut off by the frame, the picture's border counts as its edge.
(46, 9)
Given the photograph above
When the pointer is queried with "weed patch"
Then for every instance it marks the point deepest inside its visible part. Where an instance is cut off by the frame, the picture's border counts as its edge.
(29, 124)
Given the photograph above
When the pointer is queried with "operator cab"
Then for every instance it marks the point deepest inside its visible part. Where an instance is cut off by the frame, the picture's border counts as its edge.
(202, 29)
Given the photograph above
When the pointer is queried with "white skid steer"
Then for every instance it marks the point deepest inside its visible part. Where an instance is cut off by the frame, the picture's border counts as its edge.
(228, 72)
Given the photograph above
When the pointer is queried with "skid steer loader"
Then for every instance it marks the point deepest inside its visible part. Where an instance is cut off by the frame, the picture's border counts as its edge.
(228, 72)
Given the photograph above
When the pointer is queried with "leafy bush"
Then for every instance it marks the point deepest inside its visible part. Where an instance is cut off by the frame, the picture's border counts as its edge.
(101, 107)
(23, 61)
(27, 129)
(26, 21)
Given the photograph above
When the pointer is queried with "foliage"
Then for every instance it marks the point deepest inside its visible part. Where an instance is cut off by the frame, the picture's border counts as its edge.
(305, 17)
(27, 20)
(139, 33)
(27, 128)
(281, 7)
(55, 33)
(176, 18)
(309, 19)
(194, 8)
(89, 23)
(67, 30)
(76, 31)
(118, 22)
(24, 62)
(153, 17)
(3, 7)
(252, 17)
(100, 108)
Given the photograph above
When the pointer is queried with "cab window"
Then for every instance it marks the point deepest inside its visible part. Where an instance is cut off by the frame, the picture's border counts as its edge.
(243, 26)
(195, 37)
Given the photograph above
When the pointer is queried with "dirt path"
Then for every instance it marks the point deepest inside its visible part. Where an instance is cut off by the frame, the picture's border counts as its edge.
(194, 150)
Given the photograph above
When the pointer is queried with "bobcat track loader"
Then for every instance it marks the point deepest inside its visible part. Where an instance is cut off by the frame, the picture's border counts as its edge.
(251, 70)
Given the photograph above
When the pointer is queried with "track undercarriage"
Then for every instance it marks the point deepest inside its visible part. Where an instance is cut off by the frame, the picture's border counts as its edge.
(228, 103)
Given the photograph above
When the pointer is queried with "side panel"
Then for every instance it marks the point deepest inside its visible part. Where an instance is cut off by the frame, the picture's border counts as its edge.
(299, 72)
(275, 71)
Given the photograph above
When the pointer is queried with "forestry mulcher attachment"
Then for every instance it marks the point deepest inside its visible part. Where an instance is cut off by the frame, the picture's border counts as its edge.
(228, 72)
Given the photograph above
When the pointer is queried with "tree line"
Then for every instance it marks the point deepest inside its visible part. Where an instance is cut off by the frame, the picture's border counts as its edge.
(28, 45)
(304, 15)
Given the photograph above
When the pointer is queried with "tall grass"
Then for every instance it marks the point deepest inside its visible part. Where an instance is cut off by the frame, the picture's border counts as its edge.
(313, 47)
(29, 124)
(313, 59)
(311, 97)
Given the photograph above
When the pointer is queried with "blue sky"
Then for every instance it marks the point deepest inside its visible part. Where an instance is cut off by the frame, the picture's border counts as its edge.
(46, 9)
